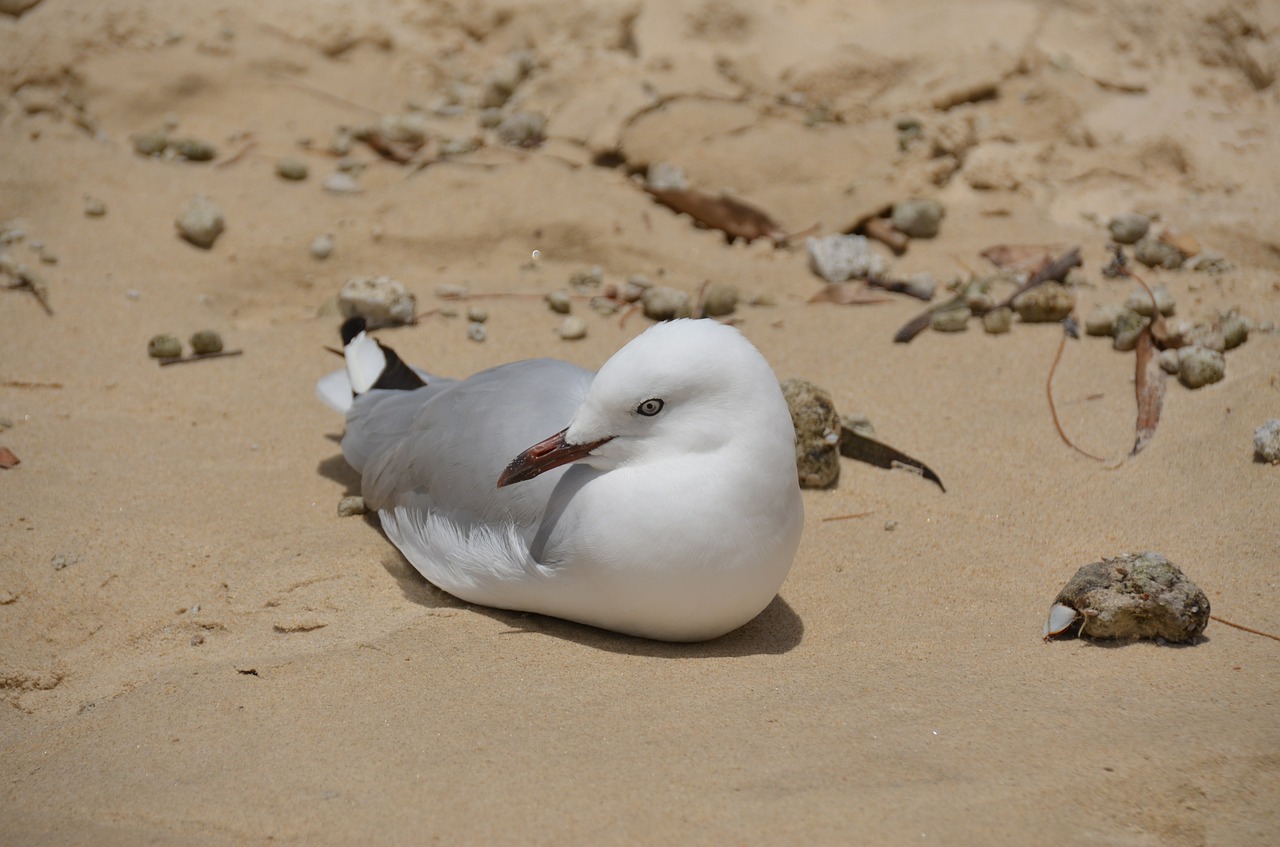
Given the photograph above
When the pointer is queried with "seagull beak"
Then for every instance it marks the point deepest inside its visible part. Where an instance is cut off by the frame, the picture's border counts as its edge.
(545, 455)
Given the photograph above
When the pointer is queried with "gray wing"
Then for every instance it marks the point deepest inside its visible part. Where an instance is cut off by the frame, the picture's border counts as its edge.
(440, 449)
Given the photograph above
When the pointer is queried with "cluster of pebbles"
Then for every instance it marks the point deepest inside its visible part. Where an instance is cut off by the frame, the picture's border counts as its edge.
(167, 346)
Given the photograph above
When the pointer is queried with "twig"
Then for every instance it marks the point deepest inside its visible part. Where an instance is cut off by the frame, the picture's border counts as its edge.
(1053, 410)
(847, 517)
(325, 95)
(1245, 628)
(199, 357)
(240, 154)
(22, 383)
(884, 232)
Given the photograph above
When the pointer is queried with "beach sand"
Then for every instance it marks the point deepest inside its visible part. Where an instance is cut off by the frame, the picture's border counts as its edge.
(196, 649)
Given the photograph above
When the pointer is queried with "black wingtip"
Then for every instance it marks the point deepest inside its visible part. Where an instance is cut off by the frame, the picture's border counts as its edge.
(352, 327)
(397, 375)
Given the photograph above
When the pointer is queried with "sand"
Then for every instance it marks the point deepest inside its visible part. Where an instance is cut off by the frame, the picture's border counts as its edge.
(196, 649)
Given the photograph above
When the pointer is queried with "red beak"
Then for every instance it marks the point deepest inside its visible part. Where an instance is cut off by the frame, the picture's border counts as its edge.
(545, 455)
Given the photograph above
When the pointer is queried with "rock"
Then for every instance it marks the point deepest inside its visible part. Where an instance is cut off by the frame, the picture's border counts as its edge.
(1128, 227)
(292, 169)
(94, 208)
(1139, 595)
(664, 176)
(604, 306)
(1102, 320)
(461, 145)
(200, 223)
(523, 129)
(206, 341)
(150, 143)
(351, 506)
(1266, 441)
(1155, 253)
(997, 321)
(837, 258)
(918, 218)
(452, 292)
(321, 247)
(164, 347)
(664, 304)
(572, 328)
(1199, 366)
(476, 331)
(193, 149)
(559, 302)
(475, 314)
(341, 183)
(922, 286)
(950, 320)
(1045, 303)
(719, 300)
(1169, 361)
(813, 414)
(1128, 325)
(380, 300)
(634, 288)
(585, 282)
(1234, 329)
(1140, 302)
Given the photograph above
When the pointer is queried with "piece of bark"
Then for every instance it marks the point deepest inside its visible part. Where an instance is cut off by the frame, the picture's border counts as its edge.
(854, 445)
(732, 217)
(883, 230)
(847, 294)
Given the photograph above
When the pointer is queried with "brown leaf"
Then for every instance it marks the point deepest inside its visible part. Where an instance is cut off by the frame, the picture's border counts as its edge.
(7, 459)
(854, 445)
(732, 217)
(1184, 242)
(847, 294)
(1149, 388)
(1023, 258)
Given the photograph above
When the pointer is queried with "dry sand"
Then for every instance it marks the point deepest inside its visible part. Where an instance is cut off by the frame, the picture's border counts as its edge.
(223, 660)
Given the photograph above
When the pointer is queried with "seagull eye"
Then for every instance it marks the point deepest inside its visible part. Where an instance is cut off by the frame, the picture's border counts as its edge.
(650, 407)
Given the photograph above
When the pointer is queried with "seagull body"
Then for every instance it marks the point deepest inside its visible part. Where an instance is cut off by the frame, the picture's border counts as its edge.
(657, 497)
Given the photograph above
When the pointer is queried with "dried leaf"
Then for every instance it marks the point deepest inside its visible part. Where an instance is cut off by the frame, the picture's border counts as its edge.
(847, 294)
(732, 217)
(1149, 388)
(853, 445)
(7, 459)
(1023, 258)
(1184, 242)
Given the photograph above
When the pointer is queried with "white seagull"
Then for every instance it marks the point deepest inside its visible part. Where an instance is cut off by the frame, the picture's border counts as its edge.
(659, 497)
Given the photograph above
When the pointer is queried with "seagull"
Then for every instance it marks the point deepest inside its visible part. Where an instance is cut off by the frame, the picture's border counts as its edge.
(657, 497)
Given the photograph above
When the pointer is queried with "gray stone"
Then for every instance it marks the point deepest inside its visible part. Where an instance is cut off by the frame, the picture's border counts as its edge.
(1155, 253)
(918, 218)
(664, 304)
(1128, 227)
(1199, 366)
(837, 258)
(200, 222)
(292, 169)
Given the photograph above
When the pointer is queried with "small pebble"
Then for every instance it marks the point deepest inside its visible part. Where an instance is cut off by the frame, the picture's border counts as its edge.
(1045, 303)
(292, 169)
(1102, 320)
(664, 176)
(200, 222)
(1235, 331)
(604, 306)
(559, 302)
(476, 332)
(1154, 253)
(1140, 302)
(150, 143)
(1266, 441)
(94, 208)
(193, 149)
(918, 218)
(587, 281)
(890, 525)
(341, 183)
(206, 341)
(351, 506)
(950, 320)
(634, 288)
(475, 314)
(522, 129)
(719, 300)
(1127, 331)
(341, 142)
(817, 427)
(1169, 361)
(1199, 366)
(664, 304)
(998, 321)
(321, 247)
(572, 328)
(164, 347)
(1128, 227)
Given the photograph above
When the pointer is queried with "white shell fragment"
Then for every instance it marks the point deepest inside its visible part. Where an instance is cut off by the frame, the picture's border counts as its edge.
(1060, 617)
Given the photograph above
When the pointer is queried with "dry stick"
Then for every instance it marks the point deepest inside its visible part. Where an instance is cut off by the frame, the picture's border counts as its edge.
(200, 357)
(325, 95)
(848, 517)
(1048, 391)
(22, 383)
(244, 151)
(1245, 628)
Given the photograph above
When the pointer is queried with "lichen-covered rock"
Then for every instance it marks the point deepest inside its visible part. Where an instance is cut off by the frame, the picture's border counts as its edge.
(1140, 301)
(1234, 329)
(813, 414)
(1128, 326)
(164, 347)
(193, 149)
(206, 341)
(918, 218)
(1155, 253)
(719, 300)
(950, 320)
(1199, 366)
(664, 304)
(1128, 227)
(1045, 303)
(1138, 595)
(1266, 441)
(380, 300)
(998, 321)
(1102, 320)
(292, 169)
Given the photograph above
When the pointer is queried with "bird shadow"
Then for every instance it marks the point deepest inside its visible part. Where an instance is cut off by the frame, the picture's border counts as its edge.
(336, 468)
(777, 629)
